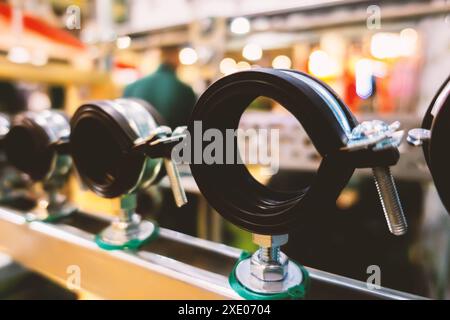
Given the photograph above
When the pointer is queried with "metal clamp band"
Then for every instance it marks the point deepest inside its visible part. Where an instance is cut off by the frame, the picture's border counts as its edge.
(436, 123)
(31, 140)
(231, 189)
(102, 140)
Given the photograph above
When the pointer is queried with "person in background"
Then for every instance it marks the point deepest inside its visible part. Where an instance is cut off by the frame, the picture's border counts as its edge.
(12, 98)
(173, 99)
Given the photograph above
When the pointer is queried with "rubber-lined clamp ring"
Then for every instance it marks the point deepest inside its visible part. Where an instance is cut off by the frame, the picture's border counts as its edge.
(27, 145)
(26, 149)
(296, 292)
(102, 143)
(231, 189)
(437, 120)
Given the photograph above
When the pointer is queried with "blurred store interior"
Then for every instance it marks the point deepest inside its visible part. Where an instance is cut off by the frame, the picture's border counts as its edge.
(385, 59)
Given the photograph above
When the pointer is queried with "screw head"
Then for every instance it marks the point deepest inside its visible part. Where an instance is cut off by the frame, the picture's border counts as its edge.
(375, 134)
(367, 129)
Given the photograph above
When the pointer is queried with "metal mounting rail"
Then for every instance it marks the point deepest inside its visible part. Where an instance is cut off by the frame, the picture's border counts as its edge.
(175, 266)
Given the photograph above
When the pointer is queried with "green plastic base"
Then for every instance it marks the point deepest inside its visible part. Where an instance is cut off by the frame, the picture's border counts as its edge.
(51, 217)
(297, 292)
(133, 244)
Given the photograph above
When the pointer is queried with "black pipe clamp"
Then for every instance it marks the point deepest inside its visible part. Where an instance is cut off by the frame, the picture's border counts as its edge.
(433, 136)
(118, 146)
(232, 190)
(5, 124)
(37, 144)
(104, 134)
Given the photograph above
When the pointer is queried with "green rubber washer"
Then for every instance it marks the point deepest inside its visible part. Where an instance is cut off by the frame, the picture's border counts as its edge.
(297, 292)
(133, 244)
(52, 217)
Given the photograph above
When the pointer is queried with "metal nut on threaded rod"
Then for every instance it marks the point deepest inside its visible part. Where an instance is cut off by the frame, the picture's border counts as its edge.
(269, 270)
(269, 263)
(268, 241)
(378, 135)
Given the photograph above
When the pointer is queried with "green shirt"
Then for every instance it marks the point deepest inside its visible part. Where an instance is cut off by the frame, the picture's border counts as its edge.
(163, 90)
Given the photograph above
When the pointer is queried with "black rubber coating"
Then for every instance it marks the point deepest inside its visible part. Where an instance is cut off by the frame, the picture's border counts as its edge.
(27, 148)
(231, 189)
(101, 143)
(436, 150)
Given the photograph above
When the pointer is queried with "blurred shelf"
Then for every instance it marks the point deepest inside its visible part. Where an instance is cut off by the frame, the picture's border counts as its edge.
(55, 73)
(395, 12)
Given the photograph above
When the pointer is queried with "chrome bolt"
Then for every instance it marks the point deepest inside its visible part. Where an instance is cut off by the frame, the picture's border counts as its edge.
(128, 204)
(127, 222)
(380, 135)
(174, 176)
(390, 201)
(164, 134)
(175, 184)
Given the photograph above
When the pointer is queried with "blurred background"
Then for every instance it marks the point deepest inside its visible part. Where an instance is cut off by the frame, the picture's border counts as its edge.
(385, 59)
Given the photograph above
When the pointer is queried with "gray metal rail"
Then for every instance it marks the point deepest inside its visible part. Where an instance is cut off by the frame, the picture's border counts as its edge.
(175, 266)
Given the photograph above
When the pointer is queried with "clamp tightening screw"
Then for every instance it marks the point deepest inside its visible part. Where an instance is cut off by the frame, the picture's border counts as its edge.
(378, 135)
(157, 145)
(390, 201)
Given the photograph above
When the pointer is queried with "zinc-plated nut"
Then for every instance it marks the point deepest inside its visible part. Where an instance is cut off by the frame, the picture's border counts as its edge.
(417, 136)
(268, 241)
(269, 271)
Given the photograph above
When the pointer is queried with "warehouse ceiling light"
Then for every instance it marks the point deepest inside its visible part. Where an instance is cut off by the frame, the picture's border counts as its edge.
(123, 42)
(364, 76)
(19, 54)
(281, 62)
(240, 25)
(227, 66)
(243, 65)
(39, 58)
(388, 45)
(385, 45)
(321, 65)
(408, 41)
(252, 52)
(188, 56)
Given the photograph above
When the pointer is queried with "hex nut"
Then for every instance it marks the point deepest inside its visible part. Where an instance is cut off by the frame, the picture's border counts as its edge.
(269, 271)
(267, 241)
